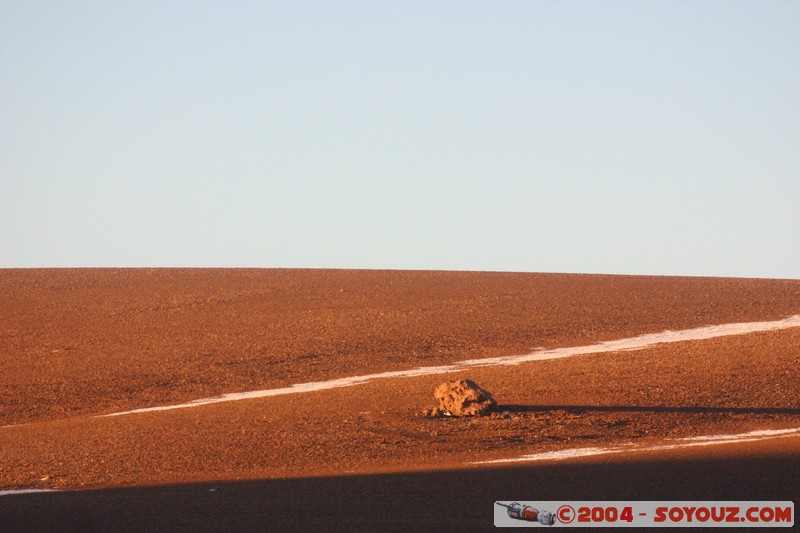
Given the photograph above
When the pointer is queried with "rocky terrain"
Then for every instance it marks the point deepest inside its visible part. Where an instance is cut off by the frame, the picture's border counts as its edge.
(76, 345)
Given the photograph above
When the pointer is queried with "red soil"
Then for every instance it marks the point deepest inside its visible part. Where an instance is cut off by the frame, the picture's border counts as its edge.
(78, 343)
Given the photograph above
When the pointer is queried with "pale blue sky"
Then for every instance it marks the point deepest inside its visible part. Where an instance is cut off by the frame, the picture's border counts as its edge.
(635, 137)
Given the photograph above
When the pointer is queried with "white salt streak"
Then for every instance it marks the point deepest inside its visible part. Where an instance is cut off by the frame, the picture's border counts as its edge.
(628, 344)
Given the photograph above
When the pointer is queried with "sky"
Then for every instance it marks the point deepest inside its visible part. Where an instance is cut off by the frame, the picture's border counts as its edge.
(621, 137)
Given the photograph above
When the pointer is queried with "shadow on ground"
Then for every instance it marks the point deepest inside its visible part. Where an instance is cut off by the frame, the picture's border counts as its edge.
(648, 409)
(454, 500)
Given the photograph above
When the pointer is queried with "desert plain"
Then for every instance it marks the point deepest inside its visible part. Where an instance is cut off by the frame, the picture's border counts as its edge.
(77, 345)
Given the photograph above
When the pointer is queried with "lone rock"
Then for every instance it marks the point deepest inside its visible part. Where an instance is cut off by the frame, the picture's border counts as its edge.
(464, 398)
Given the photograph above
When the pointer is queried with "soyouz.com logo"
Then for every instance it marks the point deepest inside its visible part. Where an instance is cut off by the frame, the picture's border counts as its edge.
(644, 514)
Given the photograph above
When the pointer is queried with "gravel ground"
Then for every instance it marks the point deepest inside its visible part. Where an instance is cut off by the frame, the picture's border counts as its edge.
(80, 343)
